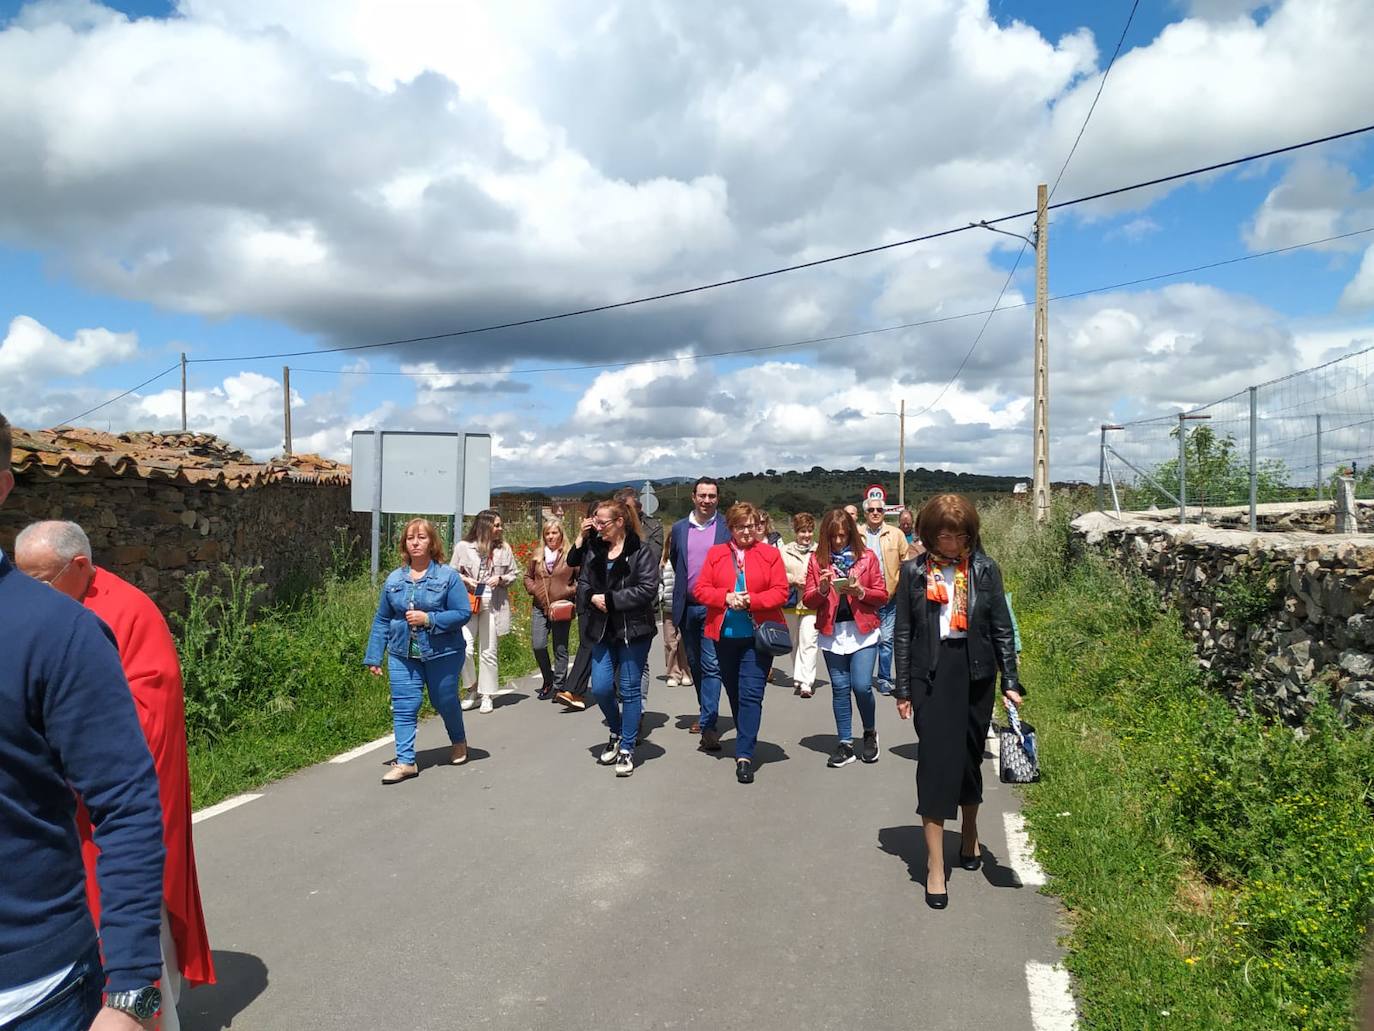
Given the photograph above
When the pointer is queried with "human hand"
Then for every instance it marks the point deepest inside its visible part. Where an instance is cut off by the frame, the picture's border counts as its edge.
(904, 708)
(824, 580)
(493, 581)
(117, 1020)
(599, 600)
(588, 526)
(376, 671)
(1013, 696)
(417, 618)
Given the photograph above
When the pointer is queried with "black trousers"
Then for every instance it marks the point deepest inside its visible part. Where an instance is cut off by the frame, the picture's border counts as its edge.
(952, 723)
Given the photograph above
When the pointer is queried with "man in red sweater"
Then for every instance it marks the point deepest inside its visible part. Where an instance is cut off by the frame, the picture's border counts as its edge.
(59, 554)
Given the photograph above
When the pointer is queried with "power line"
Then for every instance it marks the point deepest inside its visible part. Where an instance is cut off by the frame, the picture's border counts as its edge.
(117, 397)
(1024, 242)
(667, 295)
(853, 334)
(1096, 97)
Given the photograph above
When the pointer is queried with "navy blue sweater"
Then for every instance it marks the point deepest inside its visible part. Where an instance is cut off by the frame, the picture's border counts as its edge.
(67, 721)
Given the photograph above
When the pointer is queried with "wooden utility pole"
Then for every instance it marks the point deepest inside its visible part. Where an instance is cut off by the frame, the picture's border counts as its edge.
(901, 455)
(1040, 486)
(183, 391)
(286, 404)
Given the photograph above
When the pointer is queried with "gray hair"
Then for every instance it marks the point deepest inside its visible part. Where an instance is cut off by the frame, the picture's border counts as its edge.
(67, 540)
(6, 443)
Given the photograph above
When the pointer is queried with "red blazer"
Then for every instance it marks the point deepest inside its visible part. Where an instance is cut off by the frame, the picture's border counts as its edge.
(765, 578)
(149, 657)
(869, 572)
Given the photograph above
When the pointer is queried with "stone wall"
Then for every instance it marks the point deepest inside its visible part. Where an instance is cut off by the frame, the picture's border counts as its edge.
(1273, 615)
(1277, 517)
(156, 533)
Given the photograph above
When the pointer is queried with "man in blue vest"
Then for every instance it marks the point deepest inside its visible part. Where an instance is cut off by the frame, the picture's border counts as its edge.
(691, 538)
(67, 721)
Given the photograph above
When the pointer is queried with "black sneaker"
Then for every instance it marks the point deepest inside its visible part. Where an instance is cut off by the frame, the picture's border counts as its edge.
(611, 750)
(869, 750)
(744, 771)
(624, 764)
(842, 756)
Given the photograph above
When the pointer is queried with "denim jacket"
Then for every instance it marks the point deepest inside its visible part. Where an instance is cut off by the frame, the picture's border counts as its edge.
(440, 592)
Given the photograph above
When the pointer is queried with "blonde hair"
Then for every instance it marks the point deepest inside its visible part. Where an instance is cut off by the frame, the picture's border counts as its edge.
(553, 524)
(436, 543)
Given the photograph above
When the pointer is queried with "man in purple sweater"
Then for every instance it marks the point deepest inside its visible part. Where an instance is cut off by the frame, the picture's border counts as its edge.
(67, 721)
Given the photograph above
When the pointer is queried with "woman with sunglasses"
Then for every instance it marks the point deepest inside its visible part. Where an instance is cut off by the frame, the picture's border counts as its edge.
(617, 586)
(953, 637)
(741, 581)
(845, 585)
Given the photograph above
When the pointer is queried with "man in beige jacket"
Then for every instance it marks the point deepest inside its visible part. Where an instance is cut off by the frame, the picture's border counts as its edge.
(890, 543)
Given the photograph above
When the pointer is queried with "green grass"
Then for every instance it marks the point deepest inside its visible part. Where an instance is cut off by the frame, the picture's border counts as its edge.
(1217, 869)
(272, 691)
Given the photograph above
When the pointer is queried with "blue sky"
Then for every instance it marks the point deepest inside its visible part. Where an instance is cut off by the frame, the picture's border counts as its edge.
(236, 180)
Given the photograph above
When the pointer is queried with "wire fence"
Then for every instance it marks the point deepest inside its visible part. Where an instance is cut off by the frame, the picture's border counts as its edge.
(1287, 440)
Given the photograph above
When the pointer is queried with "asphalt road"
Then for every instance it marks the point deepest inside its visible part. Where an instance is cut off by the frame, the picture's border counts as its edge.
(533, 889)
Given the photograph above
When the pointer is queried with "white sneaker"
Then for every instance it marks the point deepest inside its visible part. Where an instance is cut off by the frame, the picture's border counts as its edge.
(469, 703)
(610, 752)
(486, 704)
(624, 764)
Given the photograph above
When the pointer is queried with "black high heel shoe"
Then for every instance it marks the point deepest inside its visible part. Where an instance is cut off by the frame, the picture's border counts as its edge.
(972, 862)
(939, 901)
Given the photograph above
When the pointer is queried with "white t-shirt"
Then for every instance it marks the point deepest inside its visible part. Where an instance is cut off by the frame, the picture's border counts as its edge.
(947, 609)
(15, 1002)
(846, 639)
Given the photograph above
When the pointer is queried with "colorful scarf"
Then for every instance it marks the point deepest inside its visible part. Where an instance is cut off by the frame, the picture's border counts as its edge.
(843, 561)
(937, 590)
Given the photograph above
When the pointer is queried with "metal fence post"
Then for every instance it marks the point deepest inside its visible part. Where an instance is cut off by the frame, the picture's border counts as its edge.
(1321, 492)
(1182, 469)
(1101, 467)
(1254, 458)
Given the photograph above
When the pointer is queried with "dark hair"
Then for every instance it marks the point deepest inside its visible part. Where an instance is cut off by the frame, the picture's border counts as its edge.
(436, 543)
(627, 496)
(6, 443)
(706, 479)
(827, 530)
(948, 512)
(479, 533)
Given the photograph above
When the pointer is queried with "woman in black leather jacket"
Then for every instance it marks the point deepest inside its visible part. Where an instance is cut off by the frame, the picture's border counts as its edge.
(953, 637)
(617, 588)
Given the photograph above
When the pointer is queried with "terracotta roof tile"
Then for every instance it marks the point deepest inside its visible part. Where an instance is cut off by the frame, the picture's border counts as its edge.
(200, 458)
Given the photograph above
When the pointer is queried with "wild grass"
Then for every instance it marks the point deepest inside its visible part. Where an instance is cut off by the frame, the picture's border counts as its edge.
(1218, 869)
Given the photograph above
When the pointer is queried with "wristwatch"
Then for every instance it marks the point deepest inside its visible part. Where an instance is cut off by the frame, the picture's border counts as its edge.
(139, 1003)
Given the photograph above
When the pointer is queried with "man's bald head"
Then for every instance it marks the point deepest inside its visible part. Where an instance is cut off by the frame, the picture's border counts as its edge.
(6, 448)
(58, 553)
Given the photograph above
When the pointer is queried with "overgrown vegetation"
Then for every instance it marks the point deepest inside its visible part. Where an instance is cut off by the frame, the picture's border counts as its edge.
(272, 690)
(1218, 869)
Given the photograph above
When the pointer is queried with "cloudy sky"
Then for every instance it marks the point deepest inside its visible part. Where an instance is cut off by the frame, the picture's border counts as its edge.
(233, 178)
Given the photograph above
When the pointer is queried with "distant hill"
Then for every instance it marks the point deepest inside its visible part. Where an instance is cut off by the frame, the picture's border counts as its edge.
(814, 490)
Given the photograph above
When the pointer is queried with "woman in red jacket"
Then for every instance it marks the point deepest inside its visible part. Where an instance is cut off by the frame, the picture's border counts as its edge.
(846, 587)
(742, 580)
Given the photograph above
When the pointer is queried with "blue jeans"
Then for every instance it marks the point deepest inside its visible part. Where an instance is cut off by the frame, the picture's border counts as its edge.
(408, 678)
(853, 672)
(887, 626)
(75, 1002)
(617, 664)
(743, 673)
(701, 657)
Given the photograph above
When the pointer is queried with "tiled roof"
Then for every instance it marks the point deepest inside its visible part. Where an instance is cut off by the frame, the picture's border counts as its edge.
(199, 458)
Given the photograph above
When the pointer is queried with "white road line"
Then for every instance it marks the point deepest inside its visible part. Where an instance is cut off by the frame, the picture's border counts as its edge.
(1020, 853)
(1051, 998)
(223, 807)
(371, 746)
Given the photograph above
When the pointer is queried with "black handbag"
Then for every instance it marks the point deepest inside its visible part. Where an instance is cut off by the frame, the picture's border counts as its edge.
(772, 638)
(1017, 756)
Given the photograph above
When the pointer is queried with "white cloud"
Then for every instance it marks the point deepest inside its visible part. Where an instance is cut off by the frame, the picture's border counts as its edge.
(31, 354)
(1315, 199)
(1359, 292)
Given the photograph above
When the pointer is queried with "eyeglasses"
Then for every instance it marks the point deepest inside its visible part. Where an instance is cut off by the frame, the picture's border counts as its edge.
(873, 510)
(952, 538)
(58, 575)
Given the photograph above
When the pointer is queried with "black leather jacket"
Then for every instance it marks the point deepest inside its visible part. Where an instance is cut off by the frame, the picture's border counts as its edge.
(630, 587)
(916, 640)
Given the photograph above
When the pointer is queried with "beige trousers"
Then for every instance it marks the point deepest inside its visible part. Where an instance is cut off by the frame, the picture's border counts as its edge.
(480, 665)
(674, 654)
(803, 629)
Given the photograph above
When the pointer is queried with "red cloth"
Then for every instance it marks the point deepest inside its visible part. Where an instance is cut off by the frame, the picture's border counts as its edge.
(869, 572)
(765, 579)
(149, 657)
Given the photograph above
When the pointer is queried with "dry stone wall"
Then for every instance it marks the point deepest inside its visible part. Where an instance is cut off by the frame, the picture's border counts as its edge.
(156, 533)
(1278, 617)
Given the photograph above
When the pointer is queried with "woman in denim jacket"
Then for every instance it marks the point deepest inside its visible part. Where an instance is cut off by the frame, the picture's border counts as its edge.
(419, 624)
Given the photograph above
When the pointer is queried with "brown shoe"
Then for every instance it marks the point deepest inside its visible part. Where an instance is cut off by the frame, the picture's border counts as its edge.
(460, 754)
(399, 773)
(571, 700)
(695, 728)
(710, 741)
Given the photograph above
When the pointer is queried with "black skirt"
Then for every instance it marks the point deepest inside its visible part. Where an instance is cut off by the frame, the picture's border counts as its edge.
(952, 722)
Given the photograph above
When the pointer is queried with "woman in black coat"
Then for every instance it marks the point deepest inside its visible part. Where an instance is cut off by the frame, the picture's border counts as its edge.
(953, 637)
(617, 588)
